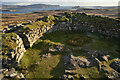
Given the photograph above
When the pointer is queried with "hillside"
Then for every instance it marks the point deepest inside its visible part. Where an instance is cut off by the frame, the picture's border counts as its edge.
(28, 6)
(68, 46)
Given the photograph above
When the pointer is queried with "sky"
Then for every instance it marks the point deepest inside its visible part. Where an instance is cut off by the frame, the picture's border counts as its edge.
(68, 2)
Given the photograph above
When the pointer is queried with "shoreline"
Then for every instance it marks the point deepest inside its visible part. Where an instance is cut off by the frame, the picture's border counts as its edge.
(9, 19)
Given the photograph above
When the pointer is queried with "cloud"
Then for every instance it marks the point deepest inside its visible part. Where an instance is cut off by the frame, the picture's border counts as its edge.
(60, 0)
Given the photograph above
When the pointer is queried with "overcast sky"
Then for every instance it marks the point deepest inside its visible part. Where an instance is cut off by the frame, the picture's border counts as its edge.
(70, 2)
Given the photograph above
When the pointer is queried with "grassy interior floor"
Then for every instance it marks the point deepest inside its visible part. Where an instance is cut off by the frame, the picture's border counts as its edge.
(33, 65)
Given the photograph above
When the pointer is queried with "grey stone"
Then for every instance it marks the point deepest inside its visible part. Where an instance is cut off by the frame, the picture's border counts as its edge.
(56, 48)
(76, 62)
(106, 57)
(71, 72)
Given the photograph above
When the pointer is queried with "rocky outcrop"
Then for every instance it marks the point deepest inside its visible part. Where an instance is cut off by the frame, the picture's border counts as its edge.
(73, 62)
(110, 74)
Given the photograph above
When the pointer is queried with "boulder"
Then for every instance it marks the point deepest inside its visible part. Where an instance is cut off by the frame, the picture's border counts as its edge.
(106, 57)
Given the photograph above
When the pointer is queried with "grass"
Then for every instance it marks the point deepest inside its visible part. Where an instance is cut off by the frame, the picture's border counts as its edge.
(52, 67)
(37, 24)
(91, 72)
(105, 45)
(68, 38)
(38, 66)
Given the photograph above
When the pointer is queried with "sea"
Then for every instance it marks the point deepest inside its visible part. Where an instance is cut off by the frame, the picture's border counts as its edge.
(29, 10)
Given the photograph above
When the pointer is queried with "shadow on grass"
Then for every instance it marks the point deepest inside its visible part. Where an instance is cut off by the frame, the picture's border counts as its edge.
(58, 70)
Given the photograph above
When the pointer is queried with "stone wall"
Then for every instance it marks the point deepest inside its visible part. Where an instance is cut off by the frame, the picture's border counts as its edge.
(67, 26)
(27, 39)
(24, 40)
(14, 55)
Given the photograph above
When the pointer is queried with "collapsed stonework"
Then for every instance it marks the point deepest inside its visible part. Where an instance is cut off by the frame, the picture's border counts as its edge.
(73, 62)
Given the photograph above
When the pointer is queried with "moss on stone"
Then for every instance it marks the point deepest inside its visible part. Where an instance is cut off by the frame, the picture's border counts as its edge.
(8, 41)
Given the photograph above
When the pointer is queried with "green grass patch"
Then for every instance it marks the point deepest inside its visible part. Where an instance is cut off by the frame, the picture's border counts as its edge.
(37, 24)
(52, 67)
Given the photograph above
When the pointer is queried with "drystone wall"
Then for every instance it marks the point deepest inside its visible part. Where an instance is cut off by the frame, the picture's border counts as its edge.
(23, 41)
(85, 27)
(14, 55)
(29, 38)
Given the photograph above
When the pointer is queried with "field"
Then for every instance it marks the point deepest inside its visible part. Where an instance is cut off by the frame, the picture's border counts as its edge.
(10, 19)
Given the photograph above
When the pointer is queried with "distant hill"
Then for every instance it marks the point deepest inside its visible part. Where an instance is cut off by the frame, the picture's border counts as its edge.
(95, 7)
(75, 7)
(28, 6)
(103, 7)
